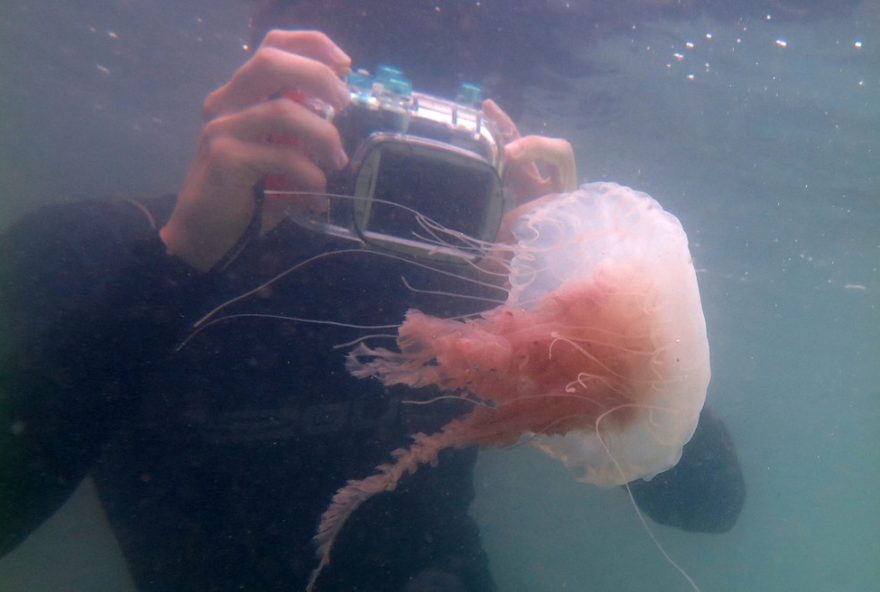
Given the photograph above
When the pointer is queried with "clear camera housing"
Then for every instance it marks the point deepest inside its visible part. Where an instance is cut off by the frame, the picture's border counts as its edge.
(413, 152)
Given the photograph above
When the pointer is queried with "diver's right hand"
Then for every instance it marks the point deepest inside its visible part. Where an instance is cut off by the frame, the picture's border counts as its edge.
(523, 179)
(235, 152)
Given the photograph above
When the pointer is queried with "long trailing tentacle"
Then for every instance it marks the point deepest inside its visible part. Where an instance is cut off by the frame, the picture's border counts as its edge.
(425, 449)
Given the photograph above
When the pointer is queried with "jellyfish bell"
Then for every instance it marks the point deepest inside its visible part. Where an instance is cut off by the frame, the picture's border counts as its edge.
(613, 269)
(600, 350)
(598, 356)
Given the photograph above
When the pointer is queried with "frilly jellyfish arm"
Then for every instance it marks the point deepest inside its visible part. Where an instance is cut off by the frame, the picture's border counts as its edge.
(424, 450)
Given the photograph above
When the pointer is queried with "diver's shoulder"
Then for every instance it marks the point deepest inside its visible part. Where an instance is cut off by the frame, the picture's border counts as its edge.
(68, 223)
(72, 247)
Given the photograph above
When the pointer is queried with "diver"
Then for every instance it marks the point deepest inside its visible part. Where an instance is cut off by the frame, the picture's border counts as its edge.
(214, 462)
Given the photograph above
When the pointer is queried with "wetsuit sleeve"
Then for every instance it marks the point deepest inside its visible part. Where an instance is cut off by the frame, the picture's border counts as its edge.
(89, 302)
(419, 538)
(446, 534)
(705, 491)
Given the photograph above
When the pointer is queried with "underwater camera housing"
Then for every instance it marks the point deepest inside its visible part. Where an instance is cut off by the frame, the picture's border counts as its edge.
(413, 155)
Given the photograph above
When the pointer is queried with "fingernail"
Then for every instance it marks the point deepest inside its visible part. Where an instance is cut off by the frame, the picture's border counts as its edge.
(340, 56)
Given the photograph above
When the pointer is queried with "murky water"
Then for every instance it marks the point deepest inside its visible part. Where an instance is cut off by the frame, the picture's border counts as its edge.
(769, 157)
(761, 134)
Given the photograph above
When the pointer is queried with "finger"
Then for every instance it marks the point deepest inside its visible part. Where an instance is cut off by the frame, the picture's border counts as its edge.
(230, 165)
(524, 180)
(311, 44)
(290, 161)
(286, 118)
(216, 202)
(555, 152)
(271, 72)
(506, 126)
(522, 176)
(525, 183)
(256, 161)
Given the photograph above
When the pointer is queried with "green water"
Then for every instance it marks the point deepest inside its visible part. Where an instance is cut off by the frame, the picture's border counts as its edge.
(768, 155)
(770, 159)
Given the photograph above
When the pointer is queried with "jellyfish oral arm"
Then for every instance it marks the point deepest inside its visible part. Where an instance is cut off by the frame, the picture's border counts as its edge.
(424, 450)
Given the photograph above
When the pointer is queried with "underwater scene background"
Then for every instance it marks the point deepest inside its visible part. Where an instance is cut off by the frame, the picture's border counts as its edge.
(758, 125)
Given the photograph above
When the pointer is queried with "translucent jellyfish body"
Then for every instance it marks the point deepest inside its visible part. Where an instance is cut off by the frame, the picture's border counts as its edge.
(599, 356)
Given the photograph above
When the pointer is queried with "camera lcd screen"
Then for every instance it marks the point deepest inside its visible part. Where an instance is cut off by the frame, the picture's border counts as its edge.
(456, 192)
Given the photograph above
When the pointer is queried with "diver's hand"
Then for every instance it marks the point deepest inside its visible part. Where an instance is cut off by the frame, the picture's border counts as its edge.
(234, 150)
(523, 180)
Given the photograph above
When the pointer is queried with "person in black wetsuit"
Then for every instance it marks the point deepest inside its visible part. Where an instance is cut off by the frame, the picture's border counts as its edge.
(214, 463)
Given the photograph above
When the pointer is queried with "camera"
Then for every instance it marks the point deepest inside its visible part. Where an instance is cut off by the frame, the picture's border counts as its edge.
(415, 158)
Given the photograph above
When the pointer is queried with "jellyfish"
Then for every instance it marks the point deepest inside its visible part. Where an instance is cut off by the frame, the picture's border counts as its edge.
(599, 355)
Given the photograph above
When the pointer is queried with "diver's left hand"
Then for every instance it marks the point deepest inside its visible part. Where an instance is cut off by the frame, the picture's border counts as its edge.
(523, 180)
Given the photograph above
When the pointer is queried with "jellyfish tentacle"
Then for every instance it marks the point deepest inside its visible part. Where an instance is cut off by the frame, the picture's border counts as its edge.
(425, 449)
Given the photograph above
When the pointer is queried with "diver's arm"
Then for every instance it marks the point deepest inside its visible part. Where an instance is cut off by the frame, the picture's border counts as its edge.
(419, 538)
(89, 301)
(705, 491)
(445, 532)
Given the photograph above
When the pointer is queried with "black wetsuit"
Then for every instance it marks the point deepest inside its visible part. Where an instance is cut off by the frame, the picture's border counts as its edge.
(215, 462)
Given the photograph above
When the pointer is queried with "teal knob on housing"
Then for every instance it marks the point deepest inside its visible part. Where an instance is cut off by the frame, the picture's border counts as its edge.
(360, 80)
(393, 81)
(469, 94)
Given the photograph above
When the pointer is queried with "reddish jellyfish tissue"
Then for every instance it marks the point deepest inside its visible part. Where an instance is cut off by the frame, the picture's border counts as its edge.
(599, 355)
